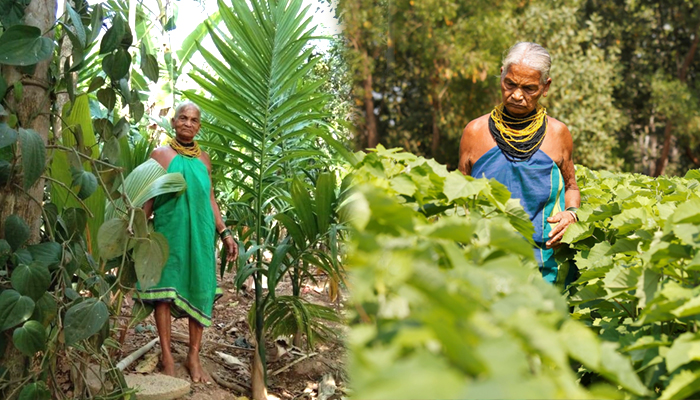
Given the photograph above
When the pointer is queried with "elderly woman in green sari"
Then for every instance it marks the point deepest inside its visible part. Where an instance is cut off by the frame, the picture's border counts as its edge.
(187, 287)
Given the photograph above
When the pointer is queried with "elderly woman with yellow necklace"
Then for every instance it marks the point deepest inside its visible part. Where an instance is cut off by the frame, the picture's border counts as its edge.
(187, 286)
(520, 146)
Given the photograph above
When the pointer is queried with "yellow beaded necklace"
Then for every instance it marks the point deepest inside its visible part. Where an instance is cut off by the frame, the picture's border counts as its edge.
(187, 151)
(510, 135)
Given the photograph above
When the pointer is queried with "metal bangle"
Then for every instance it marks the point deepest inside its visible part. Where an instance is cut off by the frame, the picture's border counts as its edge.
(225, 233)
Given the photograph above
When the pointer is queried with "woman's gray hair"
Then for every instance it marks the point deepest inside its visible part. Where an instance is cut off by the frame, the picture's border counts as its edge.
(184, 105)
(530, 55)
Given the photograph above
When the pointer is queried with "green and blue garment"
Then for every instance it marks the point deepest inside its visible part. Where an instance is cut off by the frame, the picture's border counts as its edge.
(539, 185)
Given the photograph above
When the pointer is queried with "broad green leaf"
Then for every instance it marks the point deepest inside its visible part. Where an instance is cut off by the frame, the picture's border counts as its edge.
(8, 135)
(76, 219)
(30, 338)
(147, 181)
(113, 36)
(78, 27)
(620, 277)
(96, 83)
(13, 12)
(682, 386)
(402, 184)
(107, 97)
(96, 18)
(86, 183)
(625, 245)
(14, 309)
(84, 319)
(45, 309)
(150, 256)
(685, 349)
(687, 212)
(31, 280)
(48, 254)
(582, 344)
(33, 156)
(692, 307)
(577, 232)
(35, 391)
(149, 66)
(5, 251)
(458, 186)
(16, 231)
(23, 45)
(117, 64)
(451, 228)
(112, 238)
(519, 219)
(111, 150)
(647, 286)
(618, 368)
(692, 174)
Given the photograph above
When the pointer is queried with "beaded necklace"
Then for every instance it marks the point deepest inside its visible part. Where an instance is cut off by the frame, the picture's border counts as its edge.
(518, 138)
(187, 150)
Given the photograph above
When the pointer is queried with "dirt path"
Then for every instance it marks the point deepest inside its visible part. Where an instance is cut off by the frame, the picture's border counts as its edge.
(292, 373)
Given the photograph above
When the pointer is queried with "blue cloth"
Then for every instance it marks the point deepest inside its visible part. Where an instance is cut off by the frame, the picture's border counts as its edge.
(539, 185)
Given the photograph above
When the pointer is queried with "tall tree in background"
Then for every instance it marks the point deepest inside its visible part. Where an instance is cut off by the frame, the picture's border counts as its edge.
(658, 62)
(624, 74)
(366, 34)
(584, 77)
(433, 63)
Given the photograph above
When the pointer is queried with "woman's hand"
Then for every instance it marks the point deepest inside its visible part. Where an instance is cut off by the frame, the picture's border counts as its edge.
(563, 219)
(231, 249)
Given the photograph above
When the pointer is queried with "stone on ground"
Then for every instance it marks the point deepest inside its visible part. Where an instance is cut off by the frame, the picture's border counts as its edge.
(150, 387)
(157, 386)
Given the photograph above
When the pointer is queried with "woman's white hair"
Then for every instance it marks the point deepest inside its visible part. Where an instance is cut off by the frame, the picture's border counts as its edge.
(530, 55)
(183, 105)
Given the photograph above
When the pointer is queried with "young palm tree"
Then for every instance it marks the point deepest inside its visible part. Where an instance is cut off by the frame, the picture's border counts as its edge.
(269, 111)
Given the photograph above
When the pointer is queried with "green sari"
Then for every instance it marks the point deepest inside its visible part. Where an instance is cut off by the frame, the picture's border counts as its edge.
(188, 279)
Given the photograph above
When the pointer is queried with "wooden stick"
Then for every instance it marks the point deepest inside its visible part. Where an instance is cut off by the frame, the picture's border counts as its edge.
(229, 385)
(136, 355)
(293, 363)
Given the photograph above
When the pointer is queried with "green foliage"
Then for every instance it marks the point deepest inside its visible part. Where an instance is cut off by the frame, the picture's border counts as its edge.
(23, 45)
(639, 272)
(584, 78)
(85, 319)
(448, 301)
(30, 338)
(264, 115)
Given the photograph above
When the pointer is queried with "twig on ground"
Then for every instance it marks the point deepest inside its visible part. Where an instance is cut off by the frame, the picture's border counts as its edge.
(286, 367)
(136, 355)
(229, 385)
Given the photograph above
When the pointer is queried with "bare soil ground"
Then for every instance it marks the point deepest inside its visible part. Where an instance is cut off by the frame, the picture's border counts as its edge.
(293, 373)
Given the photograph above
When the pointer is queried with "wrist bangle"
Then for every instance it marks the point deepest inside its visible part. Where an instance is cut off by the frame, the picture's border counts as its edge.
(225, 233)
(573, 211)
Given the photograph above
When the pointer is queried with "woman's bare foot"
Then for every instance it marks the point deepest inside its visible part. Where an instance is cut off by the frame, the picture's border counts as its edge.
(168, 363)
(193, 364)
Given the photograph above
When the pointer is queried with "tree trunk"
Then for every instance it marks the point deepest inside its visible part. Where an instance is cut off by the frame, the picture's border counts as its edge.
(668, 132)
(258, 376)
(663, 158)
(32, 111)
(370, 120)
(435, 144)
